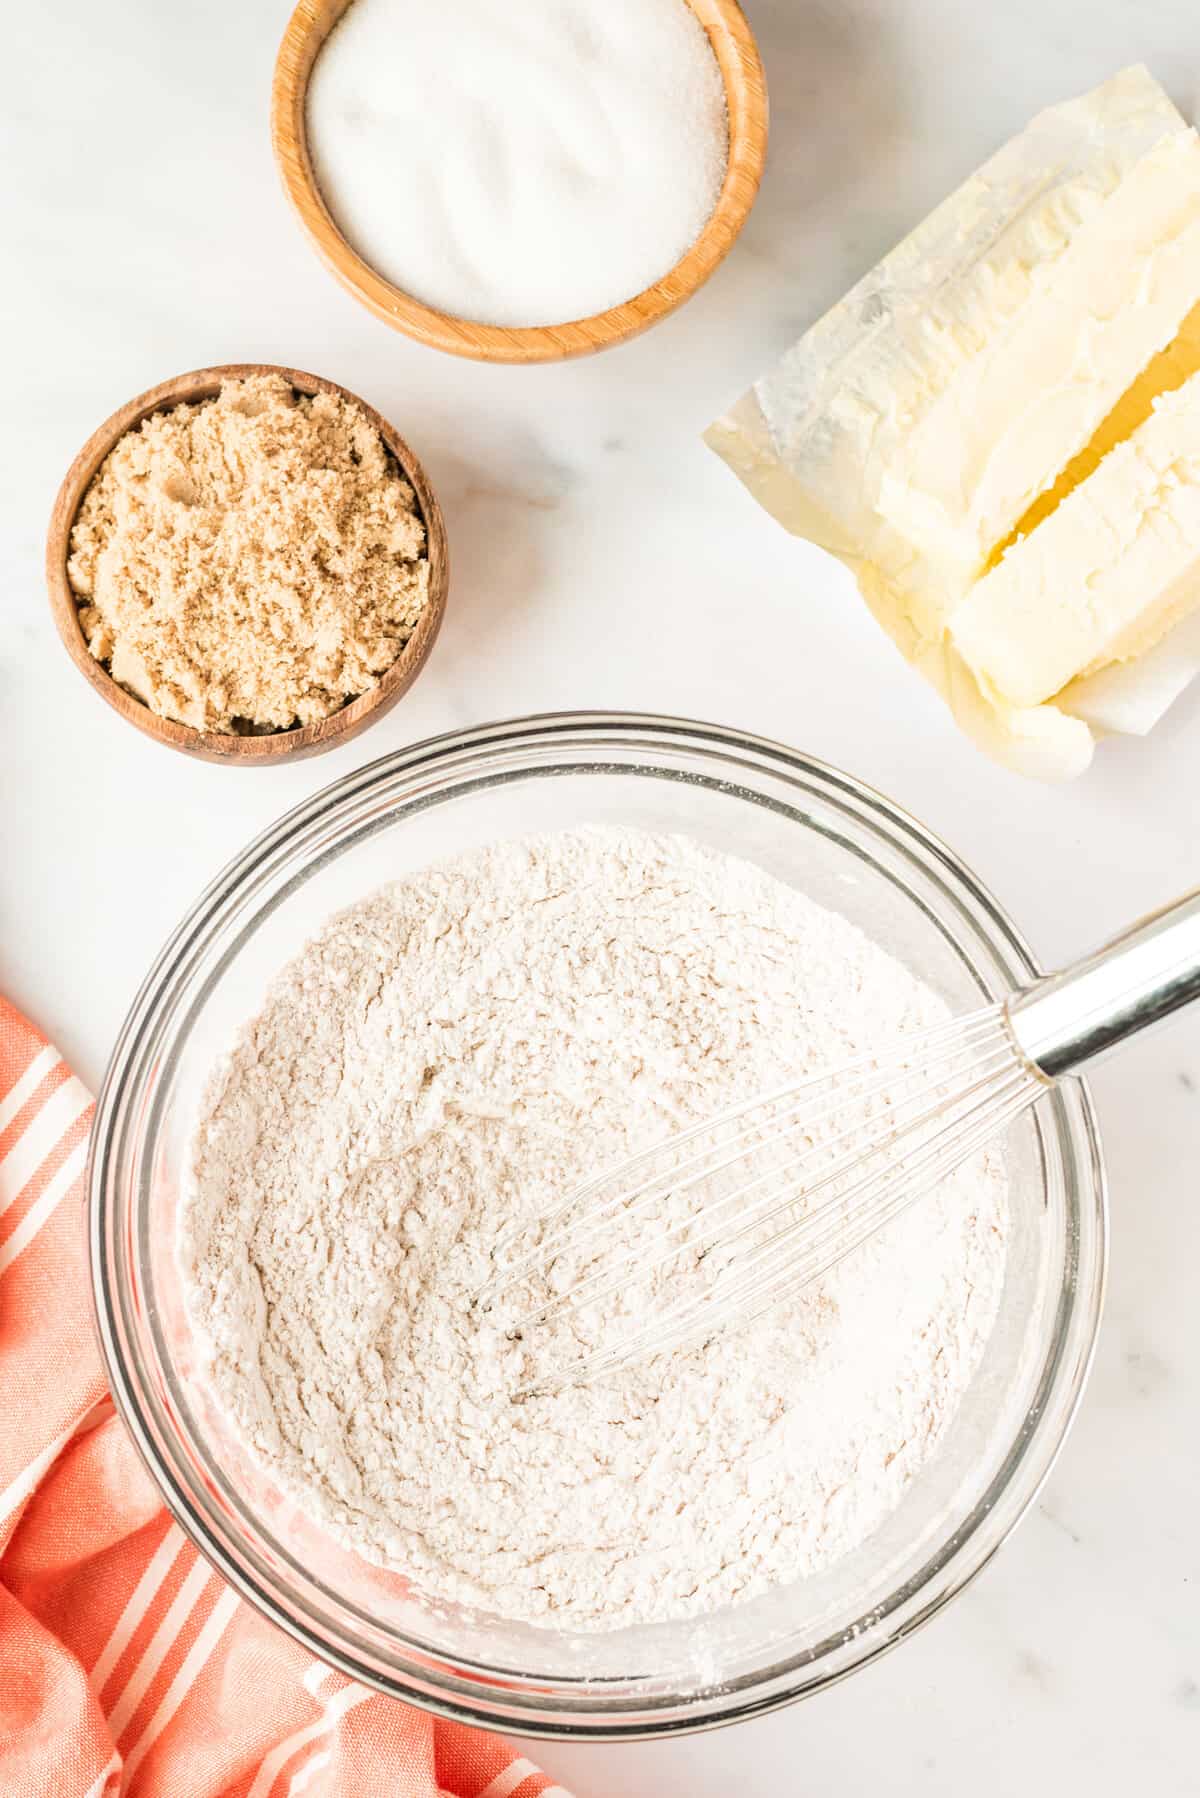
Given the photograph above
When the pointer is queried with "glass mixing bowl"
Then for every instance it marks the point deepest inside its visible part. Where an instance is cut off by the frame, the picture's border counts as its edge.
(807, 824)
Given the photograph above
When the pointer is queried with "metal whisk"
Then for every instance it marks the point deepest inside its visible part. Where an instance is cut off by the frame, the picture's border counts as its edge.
(752, 1206)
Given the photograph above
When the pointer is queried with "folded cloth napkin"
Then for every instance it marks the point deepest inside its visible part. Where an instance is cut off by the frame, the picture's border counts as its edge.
(127, 1665)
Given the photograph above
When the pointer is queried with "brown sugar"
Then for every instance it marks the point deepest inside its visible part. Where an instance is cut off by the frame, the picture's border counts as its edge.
(252, 561)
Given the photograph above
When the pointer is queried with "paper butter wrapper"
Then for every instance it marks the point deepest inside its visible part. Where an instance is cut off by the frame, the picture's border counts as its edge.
(812, 439)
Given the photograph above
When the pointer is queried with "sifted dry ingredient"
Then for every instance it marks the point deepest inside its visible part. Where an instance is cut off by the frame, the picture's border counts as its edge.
(252, 561)
(451, 1054)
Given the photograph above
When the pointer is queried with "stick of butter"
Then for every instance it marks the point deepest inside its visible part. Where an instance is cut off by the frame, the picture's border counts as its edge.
(966, 393)
(1103, 576)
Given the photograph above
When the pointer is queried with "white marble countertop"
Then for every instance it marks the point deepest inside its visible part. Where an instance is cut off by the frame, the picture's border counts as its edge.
(602, 557)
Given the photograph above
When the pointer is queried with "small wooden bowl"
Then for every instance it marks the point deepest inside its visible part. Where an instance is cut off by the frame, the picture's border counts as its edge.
(746, 98)
(215, 746)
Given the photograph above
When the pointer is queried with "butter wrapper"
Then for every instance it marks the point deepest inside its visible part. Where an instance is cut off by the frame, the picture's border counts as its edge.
(813, 439)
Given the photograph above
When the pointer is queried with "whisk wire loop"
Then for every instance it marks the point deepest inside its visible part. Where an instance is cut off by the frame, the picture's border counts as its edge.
(846, 1154)
(779, 1187)
(644, 1179)
(696, 1321)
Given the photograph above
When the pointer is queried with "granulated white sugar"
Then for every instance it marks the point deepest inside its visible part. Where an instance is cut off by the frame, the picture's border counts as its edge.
(519, 165)
(456, 1052)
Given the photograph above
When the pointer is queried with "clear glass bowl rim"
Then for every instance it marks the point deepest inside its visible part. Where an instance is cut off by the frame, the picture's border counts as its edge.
(463, 1691)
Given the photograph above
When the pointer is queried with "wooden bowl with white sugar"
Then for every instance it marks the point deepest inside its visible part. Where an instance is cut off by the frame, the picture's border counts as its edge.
(741, 75)
(251, 750)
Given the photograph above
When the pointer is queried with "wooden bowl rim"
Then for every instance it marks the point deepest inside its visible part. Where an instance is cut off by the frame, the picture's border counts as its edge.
(737, 55)
(219, 746)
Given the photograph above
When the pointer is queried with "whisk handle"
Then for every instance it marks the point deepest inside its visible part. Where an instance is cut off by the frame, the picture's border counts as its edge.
(1144, 974)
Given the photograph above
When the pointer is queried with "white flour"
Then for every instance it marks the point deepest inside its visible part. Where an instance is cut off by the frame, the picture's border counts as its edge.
(454, 1052)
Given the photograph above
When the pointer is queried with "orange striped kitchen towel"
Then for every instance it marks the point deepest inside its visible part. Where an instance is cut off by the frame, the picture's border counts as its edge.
(126, 1664)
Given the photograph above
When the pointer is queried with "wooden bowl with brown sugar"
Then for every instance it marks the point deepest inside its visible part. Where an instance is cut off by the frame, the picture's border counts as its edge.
(746, 102)
(249, 750)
